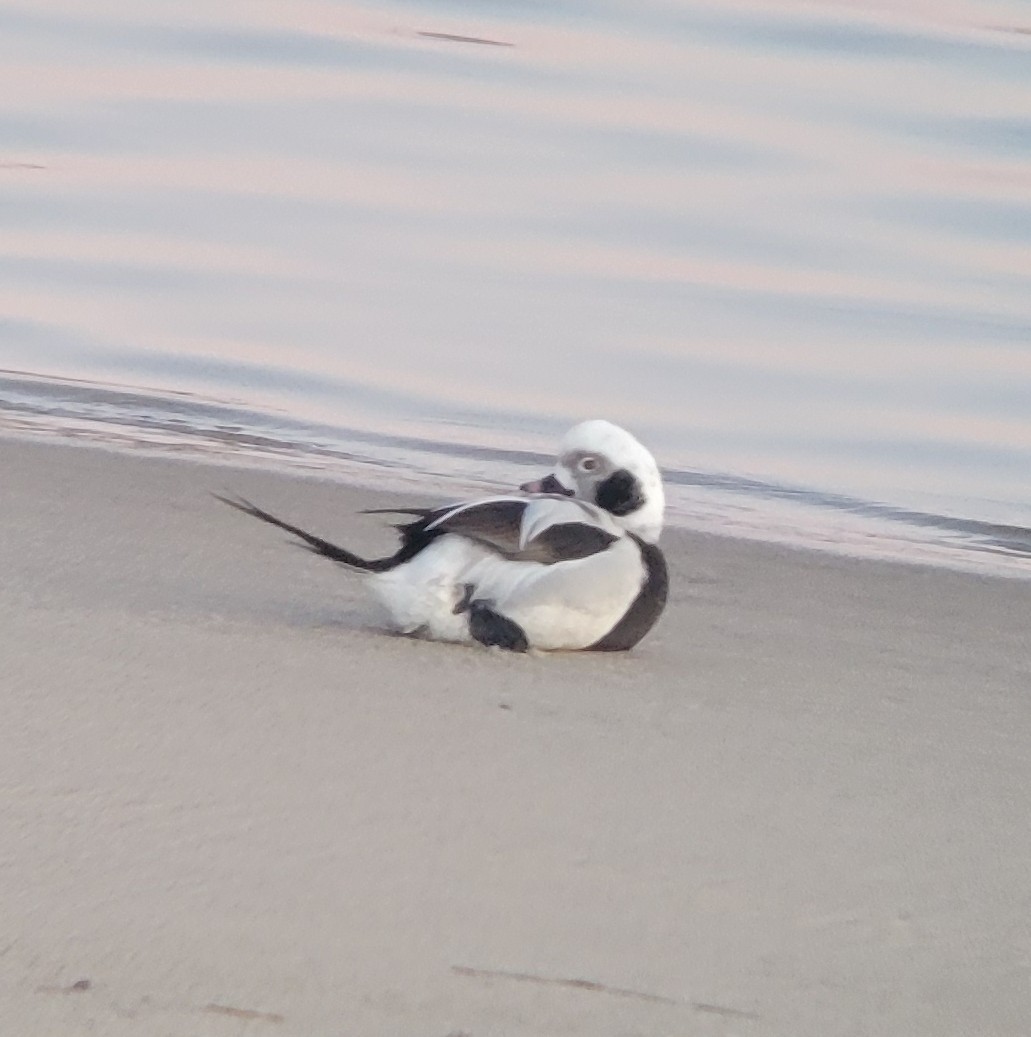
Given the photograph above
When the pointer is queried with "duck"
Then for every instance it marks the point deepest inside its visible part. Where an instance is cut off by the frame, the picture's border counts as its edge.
(570, 563)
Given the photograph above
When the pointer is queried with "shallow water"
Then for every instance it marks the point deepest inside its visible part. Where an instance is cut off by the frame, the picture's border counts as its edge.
(788, 244)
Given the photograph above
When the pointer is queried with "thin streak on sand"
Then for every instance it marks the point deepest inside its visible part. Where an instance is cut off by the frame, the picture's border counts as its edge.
(602, 988)
(244, 1013)
(73, 988)
(578, 984)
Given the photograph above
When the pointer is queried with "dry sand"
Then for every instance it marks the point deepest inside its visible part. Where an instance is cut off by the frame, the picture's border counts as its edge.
(231, 805)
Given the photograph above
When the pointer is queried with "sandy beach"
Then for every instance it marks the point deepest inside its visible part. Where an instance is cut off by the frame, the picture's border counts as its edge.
(232, 804)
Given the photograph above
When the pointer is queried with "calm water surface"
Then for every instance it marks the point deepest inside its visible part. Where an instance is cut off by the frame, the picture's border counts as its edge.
(789, 244)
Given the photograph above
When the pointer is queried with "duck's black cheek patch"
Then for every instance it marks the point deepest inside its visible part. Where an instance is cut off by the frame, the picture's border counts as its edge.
(619, 494)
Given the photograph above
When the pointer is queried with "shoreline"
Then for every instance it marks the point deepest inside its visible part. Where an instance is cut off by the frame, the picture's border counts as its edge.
(869, 532)
(799, 806)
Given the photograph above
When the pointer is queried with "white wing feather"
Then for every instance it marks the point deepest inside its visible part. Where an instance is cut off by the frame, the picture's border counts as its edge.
(546, 511)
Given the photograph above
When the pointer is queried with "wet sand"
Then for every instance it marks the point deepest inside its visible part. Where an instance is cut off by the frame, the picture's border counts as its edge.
(232, 804)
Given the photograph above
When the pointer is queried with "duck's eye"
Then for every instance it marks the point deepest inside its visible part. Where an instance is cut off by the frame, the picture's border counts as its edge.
(588, 464)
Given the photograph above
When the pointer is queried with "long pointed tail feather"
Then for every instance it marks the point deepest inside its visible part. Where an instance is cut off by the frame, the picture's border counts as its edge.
(421, 512)
(313, 543)
(406, 526)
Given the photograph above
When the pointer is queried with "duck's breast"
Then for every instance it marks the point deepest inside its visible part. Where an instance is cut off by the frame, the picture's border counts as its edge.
(568, 605)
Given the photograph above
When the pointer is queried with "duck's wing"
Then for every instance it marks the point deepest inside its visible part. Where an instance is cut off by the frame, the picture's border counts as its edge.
(541, 529)
(546, 529)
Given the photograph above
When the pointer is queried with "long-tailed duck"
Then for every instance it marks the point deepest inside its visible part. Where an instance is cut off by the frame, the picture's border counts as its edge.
(572, 566)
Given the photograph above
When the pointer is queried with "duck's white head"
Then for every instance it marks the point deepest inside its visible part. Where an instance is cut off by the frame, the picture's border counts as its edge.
(602, 463)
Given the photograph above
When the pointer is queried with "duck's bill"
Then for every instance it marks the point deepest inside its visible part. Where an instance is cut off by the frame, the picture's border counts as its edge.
(549, 484)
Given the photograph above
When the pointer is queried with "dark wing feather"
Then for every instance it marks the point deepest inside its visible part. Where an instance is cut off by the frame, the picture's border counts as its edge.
(495, 523)
(498, 525)
(567, 541)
